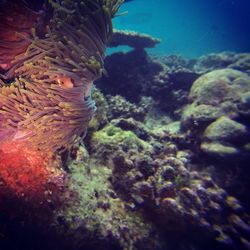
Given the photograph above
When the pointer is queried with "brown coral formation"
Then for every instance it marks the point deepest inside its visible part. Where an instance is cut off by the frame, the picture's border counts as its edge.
(132, 39)
(161, 180)
(159, 169)
(218, 110)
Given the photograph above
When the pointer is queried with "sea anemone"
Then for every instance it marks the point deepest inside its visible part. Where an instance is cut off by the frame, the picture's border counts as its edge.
(49, 102)
(16, 21)
(51, 64)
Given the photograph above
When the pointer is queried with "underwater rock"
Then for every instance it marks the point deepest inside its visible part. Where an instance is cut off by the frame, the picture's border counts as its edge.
(199, 115)
(218, 86)
(225, 129)
(224, 137)
(128, 74)
(242, 63)
(134, 75)
(98, 218)
(132, 125)
(100, 117)
(245, 98)
(132, 39)
(173, 127)
(218, 103)
(214, 61)
(119, 107)
(219, 90)
(111, 138)
(218, 149)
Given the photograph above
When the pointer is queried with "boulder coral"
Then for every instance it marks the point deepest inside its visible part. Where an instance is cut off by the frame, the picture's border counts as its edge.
(218, 111)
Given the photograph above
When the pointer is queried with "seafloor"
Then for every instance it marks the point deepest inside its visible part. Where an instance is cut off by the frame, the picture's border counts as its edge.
(164, 165)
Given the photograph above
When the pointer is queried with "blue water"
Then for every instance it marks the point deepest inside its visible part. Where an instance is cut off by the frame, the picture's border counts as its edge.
(190, 27)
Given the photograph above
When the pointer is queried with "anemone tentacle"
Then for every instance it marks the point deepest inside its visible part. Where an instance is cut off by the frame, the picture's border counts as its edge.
(49, 102)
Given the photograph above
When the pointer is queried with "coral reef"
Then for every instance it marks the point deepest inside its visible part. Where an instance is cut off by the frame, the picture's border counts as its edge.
(176, 197)
(142, 76)
(223, 60)
(164, 162)
(218, 111)
(119, 107)
(45, 94)
(130, 187)
(177, 188)
(132, 39)
(98, 210)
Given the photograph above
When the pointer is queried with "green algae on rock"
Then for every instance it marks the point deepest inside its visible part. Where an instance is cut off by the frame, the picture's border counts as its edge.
(113, 137)
(97, 210)
(225, 129)
(217, 110)
(218, 149)
(220, 91)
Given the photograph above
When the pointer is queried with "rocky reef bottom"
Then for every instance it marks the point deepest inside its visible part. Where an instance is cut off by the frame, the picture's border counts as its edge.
(164, 165)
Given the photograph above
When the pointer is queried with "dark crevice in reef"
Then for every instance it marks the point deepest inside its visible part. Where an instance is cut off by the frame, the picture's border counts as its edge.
(15, 234)
(135, 74)
(122, 76)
